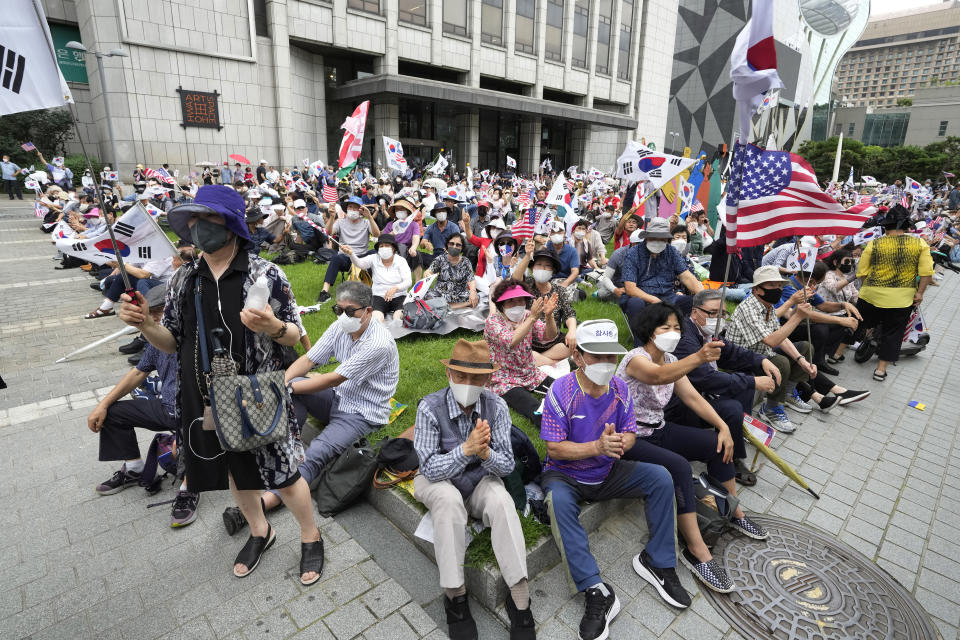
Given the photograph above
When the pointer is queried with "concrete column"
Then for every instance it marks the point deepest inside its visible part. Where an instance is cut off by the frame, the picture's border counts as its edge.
(435, 17)
(530, 130)
(591, 51)
(320, 102)
(615, 41)
(509, 29)
(280, 47)
(387, 63)
(468, 139)
(579, 146)
(638, 9)
(541, 43)
(568, 33)
(473, 75)
(386, 122)
(340, 23)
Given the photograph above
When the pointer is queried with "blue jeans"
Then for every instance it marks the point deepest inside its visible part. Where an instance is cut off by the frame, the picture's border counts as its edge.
(113, 285)
(626, 480)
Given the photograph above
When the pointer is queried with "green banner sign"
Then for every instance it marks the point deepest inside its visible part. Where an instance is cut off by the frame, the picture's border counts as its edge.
(71, 62)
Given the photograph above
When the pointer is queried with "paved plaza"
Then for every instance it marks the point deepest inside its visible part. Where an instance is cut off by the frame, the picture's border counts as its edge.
(77, 565)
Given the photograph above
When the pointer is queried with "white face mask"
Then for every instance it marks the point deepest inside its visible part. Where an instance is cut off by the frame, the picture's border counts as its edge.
(713, 326)
(557, 238)
(349, 325)
(579, 235)
(385, 253)
(679, 245)
(495, 233)
(606, 214)
(466, 395)
(656, 246)
(401, 215)
(668, 341)
(353, 214)
(542, 275)
(600, 373)
(515, 314)
(441, 216)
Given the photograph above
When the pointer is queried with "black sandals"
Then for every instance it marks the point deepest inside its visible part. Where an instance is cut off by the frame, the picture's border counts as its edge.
(311, 559)
(252, 551)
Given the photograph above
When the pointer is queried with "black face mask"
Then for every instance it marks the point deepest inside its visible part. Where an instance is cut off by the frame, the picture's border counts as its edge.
(453, 251)
(845, 268)
(209, 236)
(772, 295)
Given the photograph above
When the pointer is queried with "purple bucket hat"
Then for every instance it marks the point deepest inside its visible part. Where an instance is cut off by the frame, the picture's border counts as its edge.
(215, 198)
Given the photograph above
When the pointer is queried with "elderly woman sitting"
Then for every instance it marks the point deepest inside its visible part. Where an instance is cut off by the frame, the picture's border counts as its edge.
(390, 275)
(543, 264)
(510, 332)
(455, 279)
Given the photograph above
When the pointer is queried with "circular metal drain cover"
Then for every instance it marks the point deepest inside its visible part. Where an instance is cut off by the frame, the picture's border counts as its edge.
(802, 584)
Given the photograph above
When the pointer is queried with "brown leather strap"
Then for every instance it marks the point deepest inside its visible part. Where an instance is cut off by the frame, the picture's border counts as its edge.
(400, 477)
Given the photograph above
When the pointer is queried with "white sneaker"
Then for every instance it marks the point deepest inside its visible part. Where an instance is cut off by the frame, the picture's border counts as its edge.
(795, 402)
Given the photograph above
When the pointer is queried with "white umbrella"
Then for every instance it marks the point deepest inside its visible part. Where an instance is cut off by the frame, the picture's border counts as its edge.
(206, 163)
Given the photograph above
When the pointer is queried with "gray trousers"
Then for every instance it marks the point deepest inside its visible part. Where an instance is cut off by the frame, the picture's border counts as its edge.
(491, 502)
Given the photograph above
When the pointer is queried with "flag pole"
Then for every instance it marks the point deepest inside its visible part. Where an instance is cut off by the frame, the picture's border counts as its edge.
(726, 269)
(99, 193)
(796, 240)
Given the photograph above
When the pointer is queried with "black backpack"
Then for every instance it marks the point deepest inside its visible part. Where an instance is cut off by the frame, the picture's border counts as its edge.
(715, 507)
(345, 479)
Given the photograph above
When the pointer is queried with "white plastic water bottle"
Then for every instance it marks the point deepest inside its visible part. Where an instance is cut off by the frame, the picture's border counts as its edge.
(258, 295)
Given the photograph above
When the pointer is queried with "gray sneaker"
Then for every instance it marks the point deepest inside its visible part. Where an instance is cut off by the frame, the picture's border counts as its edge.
(795, 402)
(118, 482)
(184, 510)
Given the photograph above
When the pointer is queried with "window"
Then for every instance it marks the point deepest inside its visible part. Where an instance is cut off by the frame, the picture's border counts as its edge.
(261, 27)
(372, 6)
(413, 11)
(554, 31)
(850, 128)
(581, 23)
(491, 21)
(525, 40)
(943, 128)
(626, 32)
(455, 17)
(604, 20)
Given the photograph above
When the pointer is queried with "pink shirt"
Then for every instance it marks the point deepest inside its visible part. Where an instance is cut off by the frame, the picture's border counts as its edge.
(517, 368)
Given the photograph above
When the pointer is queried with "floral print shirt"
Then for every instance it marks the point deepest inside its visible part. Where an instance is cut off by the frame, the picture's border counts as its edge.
(453, 280)
(517, 368)
(648, 399)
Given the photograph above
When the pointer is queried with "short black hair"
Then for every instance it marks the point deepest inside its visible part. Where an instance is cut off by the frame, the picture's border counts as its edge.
(651, 317)
(680, 228)
(819, 271)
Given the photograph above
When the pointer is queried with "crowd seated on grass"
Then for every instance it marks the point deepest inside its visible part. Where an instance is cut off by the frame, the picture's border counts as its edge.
(620, 424)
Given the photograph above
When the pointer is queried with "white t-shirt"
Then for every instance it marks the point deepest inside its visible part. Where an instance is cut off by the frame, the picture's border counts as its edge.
(384, 277)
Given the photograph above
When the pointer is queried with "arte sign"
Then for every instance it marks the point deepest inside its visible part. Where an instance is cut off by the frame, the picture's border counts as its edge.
(200, 109)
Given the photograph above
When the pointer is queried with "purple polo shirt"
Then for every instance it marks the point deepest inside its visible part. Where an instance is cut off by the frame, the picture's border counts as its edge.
(570, 414)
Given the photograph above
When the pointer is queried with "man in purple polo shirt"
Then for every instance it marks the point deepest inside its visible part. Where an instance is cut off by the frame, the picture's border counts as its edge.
(588, 423)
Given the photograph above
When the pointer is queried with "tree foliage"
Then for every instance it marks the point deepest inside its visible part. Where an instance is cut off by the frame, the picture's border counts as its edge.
(48, 129)
(886, 164)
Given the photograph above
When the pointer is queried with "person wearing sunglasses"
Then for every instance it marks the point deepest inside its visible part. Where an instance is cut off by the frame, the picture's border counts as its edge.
(839, 285)
(729, 384)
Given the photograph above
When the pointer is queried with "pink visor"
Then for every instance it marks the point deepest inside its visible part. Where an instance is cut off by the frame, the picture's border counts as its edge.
(516, 291)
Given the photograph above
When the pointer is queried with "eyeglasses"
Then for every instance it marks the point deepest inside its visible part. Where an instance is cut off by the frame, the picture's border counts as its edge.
(713, 314)
(350, 311)
(456, 245)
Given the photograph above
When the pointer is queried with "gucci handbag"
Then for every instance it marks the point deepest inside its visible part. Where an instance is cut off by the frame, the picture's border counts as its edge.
(247, 411)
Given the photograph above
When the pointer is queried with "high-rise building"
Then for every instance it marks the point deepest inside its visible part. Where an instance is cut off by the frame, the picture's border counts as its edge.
(571, 80)
(898, 54)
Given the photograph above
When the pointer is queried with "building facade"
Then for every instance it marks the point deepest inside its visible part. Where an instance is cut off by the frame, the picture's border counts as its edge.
(569, 80)
(932, 117)
(899, 54)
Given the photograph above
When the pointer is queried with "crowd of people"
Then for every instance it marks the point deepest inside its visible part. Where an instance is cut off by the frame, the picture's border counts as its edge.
(616, 423)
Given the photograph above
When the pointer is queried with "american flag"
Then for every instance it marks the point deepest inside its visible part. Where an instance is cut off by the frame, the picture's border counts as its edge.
(697, 207)
(329, 193)
(159, 174)
(525, 199)
(525, 226)
(28, 146)
(38, 210)
(935, 223)
(946, 174)
(772, 194)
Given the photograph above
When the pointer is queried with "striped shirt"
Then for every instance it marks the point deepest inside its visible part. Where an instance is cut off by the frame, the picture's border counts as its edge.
(437, 466)
(371, 366)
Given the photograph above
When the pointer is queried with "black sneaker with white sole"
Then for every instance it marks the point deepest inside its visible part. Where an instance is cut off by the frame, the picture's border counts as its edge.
(665, 581)
(118, 482)
(850, 395)
(600, 610)
(828, 403)
(323, 297)
(709, 573)
(749, 528)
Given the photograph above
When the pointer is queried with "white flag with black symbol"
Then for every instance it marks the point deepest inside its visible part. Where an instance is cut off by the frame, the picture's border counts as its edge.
(139, 239)
(29, 76)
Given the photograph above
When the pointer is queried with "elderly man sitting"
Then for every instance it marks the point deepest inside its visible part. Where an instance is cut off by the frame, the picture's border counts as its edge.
(462, 438)
(353, 399)
(731, 391)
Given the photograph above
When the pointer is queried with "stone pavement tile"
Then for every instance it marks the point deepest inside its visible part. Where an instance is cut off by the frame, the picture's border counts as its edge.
(652, 612)
(626, 626)
(272, 625)
(706, 611)
(938, 606)
(80, 598)
(906, 578)
(865, 530)
(372, 572)
(876, 501)
(896, 554)
(153, 623)
(417, 618)
(907, 539)
(345, 586)
(316, 631)
(309, 607)
(350, 620)
(555, 630)
(11, 602)
(548, 592)
(231, 615)
(79, 626)
(28, 621)
(270, 594)
(914, 511)
(861, 545)
(392, 628)
(346, 554)
(196, 629)
(690, 626)
(825, 521)
(386, 598)
(437, 634)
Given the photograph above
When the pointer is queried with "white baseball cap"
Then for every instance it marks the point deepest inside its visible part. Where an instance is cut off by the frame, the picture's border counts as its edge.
(299, 204)
(599, 337)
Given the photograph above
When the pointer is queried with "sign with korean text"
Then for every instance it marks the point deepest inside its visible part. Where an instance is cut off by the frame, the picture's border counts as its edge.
(200, 109)
(71, 62)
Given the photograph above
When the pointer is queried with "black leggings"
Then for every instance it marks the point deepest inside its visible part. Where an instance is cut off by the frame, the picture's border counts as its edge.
(893, 326)
(526, 402)
(671, 446)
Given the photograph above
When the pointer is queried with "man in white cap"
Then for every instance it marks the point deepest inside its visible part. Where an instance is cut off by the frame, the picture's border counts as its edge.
(588, 424)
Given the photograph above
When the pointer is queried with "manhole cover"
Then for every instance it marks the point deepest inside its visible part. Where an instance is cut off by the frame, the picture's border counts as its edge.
(801, 584)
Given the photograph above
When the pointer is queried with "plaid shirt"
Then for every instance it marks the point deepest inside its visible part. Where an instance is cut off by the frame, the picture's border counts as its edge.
(750, 324)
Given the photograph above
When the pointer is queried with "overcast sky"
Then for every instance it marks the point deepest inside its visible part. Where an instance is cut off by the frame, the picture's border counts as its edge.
(878, 7)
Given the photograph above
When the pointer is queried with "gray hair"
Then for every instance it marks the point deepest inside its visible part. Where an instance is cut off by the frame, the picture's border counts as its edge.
(701, 297)
(355, 292)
